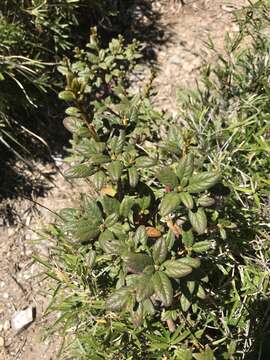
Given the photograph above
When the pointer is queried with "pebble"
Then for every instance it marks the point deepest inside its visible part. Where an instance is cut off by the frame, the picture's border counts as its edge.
(6, 325)
(21, 319)
(2, 342)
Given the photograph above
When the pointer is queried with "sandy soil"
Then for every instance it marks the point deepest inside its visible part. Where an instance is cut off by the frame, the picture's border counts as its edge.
(179, 61)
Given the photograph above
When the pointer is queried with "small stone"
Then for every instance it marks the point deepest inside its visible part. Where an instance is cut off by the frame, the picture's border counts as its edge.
(176, 60)
(6, 325)
(2, 342)
(21, 319)
(5, 295)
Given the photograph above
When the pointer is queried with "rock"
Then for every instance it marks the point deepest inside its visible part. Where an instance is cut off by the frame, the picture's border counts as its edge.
(21, 319)
(2, 342)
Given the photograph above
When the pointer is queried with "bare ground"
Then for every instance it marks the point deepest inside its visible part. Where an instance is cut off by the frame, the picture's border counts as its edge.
(179, 61)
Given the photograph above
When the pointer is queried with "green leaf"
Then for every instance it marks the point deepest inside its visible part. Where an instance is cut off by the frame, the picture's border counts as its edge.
(203, 181)
(187, 200)
(144, 288)
(111, 220)
(91, 259)
(159, 251)
(198, 220)
(126, 206)
(192, 262)
(183, 354)
(67, 95)
(115, 170)
(206, 201)
(113, 247)
(202, 246)
(170, 239)
(80, 171)
(163, 288)
(141, 235)
(167, 177)
(99, 180)
(148, 307)
(72, 124)
(185, 303)
(99, 159)
(185, 167)
(133, 176)
(169, 203)
(145, 162)
(187, 238)
(87, 230)
(119, 300)
(176, 269)
(110, 205)
(136, 262)
(92, 211)
(205, 355)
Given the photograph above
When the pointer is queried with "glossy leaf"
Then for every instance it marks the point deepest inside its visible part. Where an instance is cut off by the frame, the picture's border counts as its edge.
(187, 200)
(169, 203)
(176, 269)
(163, 288)
(167, 177)
(141, 235)
(80, 171)
(198, 220)
(159, 251)
(115, 170)
(202, 246)
(203, 181)
(185, 167)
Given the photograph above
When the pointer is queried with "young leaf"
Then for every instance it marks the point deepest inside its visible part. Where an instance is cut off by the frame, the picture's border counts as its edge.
(169, 203)
(159, 251)
(187, 200)
(203, 181)
(163, 288)
(198, 220)
(185, 166)
(176, 269)
(167, 177)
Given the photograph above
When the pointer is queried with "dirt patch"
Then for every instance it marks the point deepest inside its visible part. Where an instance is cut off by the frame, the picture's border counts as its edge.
(191, 26)
(179, 61)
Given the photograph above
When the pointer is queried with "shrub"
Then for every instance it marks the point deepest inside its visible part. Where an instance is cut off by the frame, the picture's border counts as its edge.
(167, 259)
